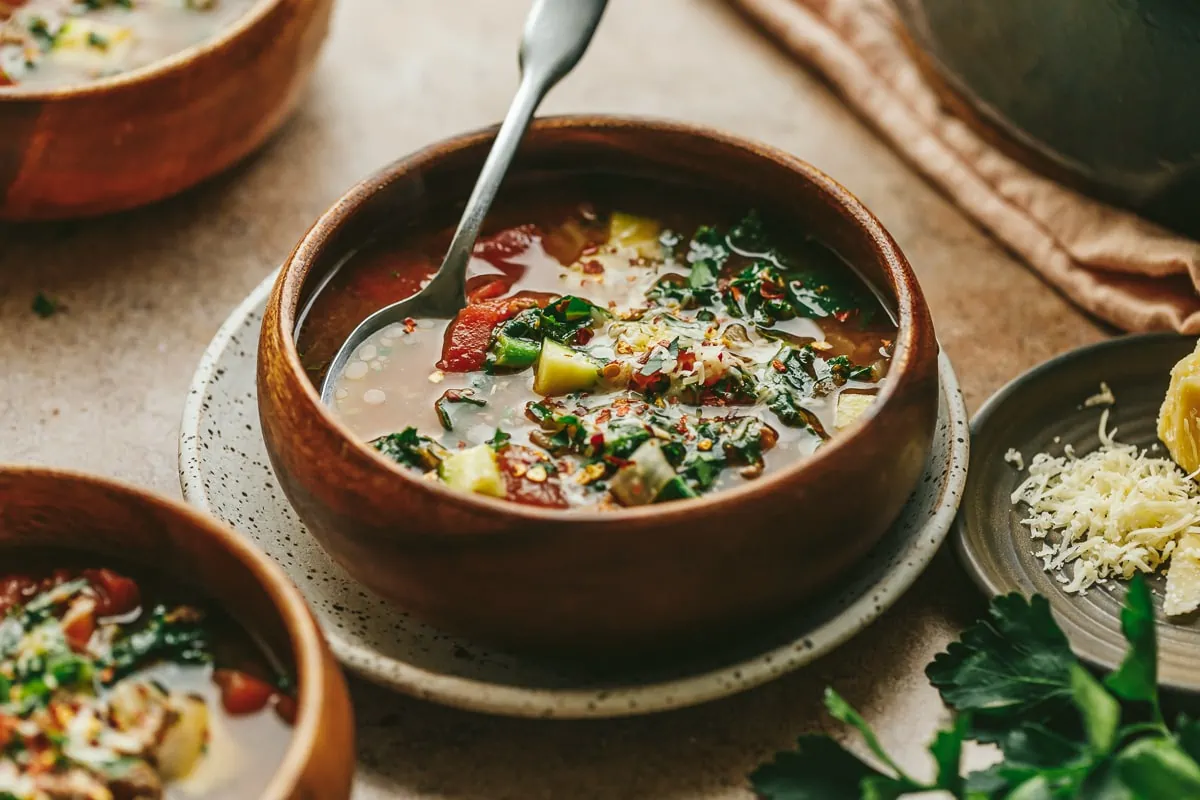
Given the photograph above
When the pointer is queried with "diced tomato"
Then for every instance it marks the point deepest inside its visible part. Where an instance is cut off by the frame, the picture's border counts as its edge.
(502, 247)
(468, 336)
(115, 594)
(79, 623)
(242, 693)
(490, 289)
(516, 461)
(285, 707)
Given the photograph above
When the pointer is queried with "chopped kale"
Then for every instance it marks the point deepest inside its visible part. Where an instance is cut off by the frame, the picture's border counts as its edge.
(45, 307)
(177, 636)
(441, 405)
(564, 318)
(499, 440)
(411, 449)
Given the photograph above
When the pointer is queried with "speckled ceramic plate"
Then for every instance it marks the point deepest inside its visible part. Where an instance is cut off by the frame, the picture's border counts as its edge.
(224, 469)
(1041, 411)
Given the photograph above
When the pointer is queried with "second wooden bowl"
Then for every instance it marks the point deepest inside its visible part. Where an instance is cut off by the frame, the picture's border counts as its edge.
(654, 576)
(143, 135)
(83, 518)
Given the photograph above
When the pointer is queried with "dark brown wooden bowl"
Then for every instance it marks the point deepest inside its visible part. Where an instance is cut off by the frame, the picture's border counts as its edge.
(657, 576)
(146, 134)
(43, 509)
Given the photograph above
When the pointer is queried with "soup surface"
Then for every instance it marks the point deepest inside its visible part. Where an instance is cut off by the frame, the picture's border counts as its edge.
(111, 689)
(54, 43)
(611, 354)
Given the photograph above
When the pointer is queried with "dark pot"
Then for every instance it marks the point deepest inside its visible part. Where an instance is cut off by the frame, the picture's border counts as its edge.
(1096, 91)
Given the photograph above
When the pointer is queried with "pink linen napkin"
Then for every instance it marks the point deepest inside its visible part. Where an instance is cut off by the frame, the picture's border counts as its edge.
(1123, 269)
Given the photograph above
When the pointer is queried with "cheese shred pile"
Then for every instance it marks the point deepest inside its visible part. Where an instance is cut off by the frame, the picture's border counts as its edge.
(1110, 513)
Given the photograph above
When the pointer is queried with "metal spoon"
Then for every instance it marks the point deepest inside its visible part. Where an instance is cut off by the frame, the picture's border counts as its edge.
(556, 35)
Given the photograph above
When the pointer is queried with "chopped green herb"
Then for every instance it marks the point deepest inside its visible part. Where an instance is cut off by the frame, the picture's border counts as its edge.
(178, 636)
(97, 41)
(45, 307)
(450, 396)
(499, 440)
(1012, 680)
(409, 448)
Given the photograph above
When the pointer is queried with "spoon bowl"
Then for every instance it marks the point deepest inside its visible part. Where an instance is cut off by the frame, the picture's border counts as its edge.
(556, 36)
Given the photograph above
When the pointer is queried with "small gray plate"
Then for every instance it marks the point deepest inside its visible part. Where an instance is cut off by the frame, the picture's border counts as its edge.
(1028, 414)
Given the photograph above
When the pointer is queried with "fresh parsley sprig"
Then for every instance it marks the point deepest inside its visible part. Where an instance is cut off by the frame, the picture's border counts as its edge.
(1012, 681)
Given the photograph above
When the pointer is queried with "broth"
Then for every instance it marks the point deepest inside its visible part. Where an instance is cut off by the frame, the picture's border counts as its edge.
(611, 352)
(55, 43)
(131, 690)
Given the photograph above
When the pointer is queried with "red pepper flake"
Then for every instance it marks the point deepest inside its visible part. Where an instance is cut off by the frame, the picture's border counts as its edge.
(778, 365)
(410, 324)
(622, 411)
(842, 316)
(686, 360)
(604, 416)
(592, 267)
(584, 335)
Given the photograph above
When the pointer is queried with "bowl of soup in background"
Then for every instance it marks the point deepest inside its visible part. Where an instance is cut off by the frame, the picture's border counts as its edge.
(582, 579)
(189, 91)
(274, 719)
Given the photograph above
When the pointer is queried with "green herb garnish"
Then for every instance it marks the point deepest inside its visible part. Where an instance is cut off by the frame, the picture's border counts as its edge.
(411, 449)
(1012, 680)
(45, 307)
(452, 396)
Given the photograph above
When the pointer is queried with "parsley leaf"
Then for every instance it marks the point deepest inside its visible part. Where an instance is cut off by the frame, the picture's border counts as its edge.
(1012, 667)
(818, 769)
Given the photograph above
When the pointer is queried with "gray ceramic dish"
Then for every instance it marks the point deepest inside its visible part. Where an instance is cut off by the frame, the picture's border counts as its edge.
(1041, 412)
(224, 469)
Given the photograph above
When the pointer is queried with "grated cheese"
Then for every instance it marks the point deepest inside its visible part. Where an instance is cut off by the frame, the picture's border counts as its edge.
(1103, 398)
(1110, 513)
(1014, 457)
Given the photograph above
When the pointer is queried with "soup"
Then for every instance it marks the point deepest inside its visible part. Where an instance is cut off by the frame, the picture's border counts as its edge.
(611, 354)
(112, 689)
(55, 43)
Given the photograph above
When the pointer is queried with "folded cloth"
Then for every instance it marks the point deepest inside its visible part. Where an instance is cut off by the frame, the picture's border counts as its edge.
(1116, 265)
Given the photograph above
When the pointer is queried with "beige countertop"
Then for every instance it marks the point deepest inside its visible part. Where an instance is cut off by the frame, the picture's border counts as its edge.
(101, 386)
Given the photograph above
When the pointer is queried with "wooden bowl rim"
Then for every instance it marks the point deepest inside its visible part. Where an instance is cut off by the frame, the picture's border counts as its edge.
(911, 308)
(308, 649)
(178, 61)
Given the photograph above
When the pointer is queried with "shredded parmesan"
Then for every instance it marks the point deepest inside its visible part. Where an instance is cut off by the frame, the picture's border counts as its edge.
(1103, 398)
(1014, 457)
(1110, 513)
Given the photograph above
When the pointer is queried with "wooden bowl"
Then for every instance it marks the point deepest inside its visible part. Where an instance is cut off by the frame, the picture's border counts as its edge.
(658, 576)
(143, 135)
(50, 509)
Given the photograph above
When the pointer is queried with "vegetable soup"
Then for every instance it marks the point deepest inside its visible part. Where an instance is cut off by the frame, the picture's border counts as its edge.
(115, 689)
(611, 353)
(56, 43)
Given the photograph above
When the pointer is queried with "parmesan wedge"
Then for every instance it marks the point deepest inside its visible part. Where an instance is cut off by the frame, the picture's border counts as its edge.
(1179, 417)
(1183, 577)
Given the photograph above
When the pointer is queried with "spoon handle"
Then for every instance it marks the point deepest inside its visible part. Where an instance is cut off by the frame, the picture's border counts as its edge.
(557, 32)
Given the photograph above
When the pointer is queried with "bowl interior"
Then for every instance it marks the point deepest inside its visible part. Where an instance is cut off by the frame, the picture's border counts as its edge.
(428, 189)
(94, 522)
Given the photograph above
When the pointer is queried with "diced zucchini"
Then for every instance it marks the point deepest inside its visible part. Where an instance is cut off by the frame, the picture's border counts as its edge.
(675, 489)
(561, 370)
(850, 407)
(638, 233)
(512, 352)
(473, 470)
(644, 478)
